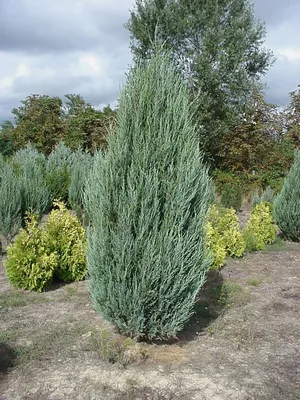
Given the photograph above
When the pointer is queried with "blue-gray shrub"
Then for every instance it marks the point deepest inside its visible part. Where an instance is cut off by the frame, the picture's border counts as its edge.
(58, 171)
(82, 163)
(287, 203)
(10, 201)
(266, 196)
(147, 199)
(30, 167)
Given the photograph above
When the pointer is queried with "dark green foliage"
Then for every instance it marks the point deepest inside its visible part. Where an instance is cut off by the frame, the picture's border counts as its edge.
(248, 182)
(58, 172)
(287, 203)
(218, 47)
(39, 121)
(231, 196)
(10, 201)
(44, 121)
(147, 199)
(87, 127)
(7, 146)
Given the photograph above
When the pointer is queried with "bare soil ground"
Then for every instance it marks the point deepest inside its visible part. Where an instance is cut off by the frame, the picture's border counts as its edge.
(243, 342)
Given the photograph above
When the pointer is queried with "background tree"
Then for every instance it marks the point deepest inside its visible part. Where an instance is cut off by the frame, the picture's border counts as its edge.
(85, 126)
(7, 146)
(44, 121)
(39, 121)
(217, 46)
(258, 142)
(292, 115)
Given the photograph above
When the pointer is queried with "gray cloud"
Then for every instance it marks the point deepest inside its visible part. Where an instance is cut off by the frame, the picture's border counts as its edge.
(282, 21)
(56, 26)
(274, 12)
(81, 46)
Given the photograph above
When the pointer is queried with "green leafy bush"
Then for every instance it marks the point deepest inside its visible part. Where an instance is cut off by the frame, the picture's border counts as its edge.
(287, 203)
(56, 249)
(231, 197)
(147, 199)
(248, 182)
(10, 201)
(260, 229)
(224, 237)
(65, 237)
(30, 265)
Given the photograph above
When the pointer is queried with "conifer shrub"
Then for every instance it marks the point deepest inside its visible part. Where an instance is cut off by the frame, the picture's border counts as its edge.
(58, 172)
(10, 202)
(35, 193)
(29, 152)
(2, 162)
(30, 264)
(267, 196)
(147, 200)
(29, 165)
(66, 238)
(80, 170)
(231, 196)
(260, 229)
(224, 237)
(287, 203)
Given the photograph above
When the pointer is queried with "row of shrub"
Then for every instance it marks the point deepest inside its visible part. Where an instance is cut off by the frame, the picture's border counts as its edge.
(224, 234)
(56, 249)
(225, 238)
(30, 182)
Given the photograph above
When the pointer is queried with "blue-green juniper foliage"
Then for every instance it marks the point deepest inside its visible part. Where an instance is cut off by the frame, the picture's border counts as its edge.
(147, 199)
(287, 203)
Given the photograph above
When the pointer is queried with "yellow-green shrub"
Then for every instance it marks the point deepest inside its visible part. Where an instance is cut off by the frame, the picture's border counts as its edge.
(260, 229)
(66, 237)
(40, 253)
(223, 235)
(216, 246)
(30, 264)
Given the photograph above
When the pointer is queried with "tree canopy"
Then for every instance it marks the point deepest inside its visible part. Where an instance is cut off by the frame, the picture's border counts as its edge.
(218, 47)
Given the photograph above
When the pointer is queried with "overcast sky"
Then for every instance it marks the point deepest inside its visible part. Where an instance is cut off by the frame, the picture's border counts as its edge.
(57, 47)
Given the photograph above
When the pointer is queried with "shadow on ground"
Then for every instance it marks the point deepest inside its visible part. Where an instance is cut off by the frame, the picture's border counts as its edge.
(7, 358)
(210, 304)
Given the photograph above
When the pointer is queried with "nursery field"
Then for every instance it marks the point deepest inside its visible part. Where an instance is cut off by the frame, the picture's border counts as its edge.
(243, 343)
